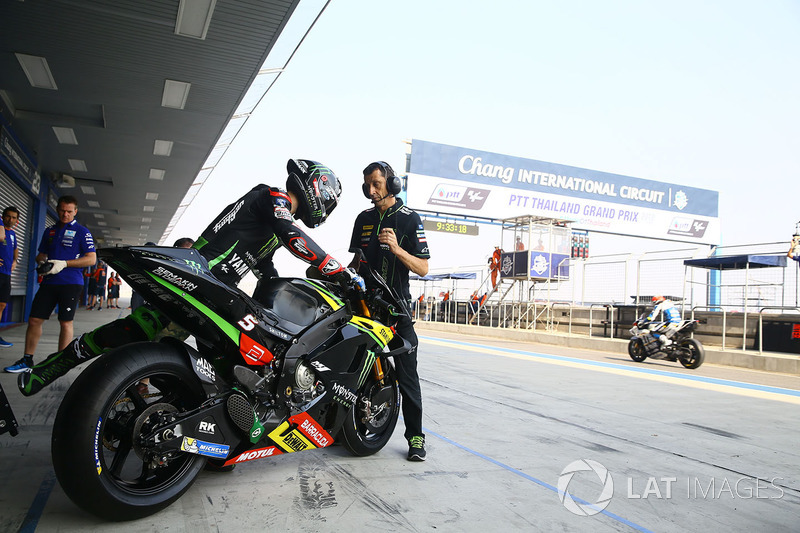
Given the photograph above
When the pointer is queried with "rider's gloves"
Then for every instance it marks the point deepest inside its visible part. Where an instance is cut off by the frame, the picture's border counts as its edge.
(58, 266)
(349, 276)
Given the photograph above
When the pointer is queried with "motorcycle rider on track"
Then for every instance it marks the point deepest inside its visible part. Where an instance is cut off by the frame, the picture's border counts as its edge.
(244, 236)
(664, 311)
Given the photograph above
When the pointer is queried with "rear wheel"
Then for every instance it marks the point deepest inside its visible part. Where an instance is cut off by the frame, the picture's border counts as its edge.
(372, 419)
(636, 350)
(99, 456)
(692, 354)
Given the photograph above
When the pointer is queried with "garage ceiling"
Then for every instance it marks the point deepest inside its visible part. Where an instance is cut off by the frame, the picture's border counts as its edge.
(109, 63)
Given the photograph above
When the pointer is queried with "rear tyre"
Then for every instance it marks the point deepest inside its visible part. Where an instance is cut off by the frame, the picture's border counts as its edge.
(372, 419)
(636, 350)
(99, 457)
(692, 354)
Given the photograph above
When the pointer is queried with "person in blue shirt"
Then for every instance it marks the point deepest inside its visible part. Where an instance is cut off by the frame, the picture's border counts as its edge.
(70, 248)
(668, 318)
(8, 259)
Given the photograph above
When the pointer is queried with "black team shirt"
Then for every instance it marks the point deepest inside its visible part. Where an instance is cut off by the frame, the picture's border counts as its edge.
(407, 227)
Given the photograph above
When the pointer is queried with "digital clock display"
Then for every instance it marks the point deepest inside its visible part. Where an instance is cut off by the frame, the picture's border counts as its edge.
(450, 227)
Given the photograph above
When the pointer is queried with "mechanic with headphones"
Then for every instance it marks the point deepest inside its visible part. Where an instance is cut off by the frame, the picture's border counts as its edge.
(391, 237)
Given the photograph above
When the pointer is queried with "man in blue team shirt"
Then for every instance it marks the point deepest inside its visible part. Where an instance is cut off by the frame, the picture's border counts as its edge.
(70, 247)
(8, 258)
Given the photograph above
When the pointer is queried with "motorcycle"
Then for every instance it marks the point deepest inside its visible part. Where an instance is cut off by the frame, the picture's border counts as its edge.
(307, 368)
(643, 344)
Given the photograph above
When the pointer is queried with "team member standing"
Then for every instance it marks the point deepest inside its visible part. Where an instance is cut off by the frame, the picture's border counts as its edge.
(8, 259)
(391, 237)
(70, 248)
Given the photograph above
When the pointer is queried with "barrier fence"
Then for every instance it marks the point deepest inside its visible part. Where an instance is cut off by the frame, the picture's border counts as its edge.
(622, 285)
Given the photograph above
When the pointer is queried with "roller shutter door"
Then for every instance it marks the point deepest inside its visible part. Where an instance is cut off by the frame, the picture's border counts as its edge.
(13, 194)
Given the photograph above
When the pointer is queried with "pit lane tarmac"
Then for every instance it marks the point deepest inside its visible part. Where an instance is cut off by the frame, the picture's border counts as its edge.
(520, 436)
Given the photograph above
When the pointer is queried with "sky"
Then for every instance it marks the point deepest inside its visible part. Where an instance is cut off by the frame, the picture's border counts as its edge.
(697, 93)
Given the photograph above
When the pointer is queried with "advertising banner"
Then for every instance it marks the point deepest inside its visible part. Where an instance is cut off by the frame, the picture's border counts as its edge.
(463, 181)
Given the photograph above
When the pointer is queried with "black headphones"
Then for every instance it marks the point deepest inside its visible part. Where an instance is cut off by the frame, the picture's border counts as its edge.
(394, 185)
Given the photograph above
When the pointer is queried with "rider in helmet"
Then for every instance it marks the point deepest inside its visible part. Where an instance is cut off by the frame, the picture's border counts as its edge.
(244, 236)
(668, 318)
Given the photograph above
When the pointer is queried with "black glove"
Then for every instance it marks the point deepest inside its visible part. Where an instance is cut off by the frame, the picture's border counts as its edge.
(348, 277)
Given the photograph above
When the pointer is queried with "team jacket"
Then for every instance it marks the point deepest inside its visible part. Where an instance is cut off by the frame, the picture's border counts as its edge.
(7, 248)
(247, 233)
(407, 227)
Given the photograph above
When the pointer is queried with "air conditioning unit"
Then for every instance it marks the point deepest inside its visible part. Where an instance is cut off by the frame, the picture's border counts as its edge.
(65, 181)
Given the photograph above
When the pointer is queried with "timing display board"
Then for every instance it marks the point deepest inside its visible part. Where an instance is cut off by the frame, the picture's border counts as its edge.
(456, 228)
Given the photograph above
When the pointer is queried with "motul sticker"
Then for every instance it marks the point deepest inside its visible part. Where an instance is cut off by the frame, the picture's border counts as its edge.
(252, 455)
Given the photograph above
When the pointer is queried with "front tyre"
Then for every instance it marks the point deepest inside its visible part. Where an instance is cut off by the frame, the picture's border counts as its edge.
(99, 459)
(692, 354)
(636, 350)
(372, 419)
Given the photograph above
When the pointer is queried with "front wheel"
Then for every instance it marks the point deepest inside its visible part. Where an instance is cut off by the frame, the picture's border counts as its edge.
(636, 350)
(99, 456)
(372, 419)
(692, 354)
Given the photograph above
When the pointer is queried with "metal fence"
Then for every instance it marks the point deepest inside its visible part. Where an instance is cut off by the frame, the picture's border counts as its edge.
(625, 280)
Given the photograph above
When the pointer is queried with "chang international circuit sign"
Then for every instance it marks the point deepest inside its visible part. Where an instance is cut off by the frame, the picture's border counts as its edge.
(464, 181)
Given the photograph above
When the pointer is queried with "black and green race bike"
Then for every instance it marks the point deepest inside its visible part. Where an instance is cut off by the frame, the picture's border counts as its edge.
(308, 366)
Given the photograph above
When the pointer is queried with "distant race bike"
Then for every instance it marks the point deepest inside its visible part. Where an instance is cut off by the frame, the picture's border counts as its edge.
(308, 368)
(683, 348)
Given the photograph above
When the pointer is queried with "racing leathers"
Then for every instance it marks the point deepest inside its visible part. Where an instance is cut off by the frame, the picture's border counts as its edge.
(244, 236)
(247, 233)
(669, 319)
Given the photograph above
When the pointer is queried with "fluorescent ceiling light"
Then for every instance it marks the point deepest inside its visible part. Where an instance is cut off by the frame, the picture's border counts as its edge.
(102, 224)
(193, 19)
(99, 215)
(175, 94)
(88, 189)
(65, 135)
(78, 165)
(147, 219)
(37, 71)
(157, 174)
(151, 196)
(149, 208)
(92, 203)
(144, 227)
(162, 148)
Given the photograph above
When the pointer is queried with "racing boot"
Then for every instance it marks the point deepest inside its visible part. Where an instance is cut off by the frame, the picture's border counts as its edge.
(142, 325)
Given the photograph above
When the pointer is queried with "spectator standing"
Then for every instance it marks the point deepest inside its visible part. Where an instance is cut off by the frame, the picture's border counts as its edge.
(70, 248)
(8, 259)
(91, 289)
(393, 242)
(100, 277)
(112, 301)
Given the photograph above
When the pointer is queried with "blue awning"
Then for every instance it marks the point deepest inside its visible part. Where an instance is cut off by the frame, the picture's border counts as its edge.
(738, 262)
